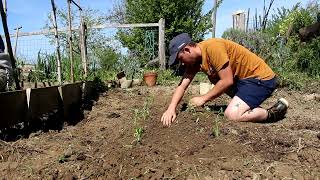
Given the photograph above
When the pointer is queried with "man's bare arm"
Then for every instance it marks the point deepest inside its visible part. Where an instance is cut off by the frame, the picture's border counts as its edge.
(170, 115)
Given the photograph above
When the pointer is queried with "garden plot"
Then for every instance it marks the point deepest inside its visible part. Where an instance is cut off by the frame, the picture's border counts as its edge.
(122, 138)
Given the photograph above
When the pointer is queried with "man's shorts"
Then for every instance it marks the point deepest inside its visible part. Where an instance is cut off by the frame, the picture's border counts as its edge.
(254, 91)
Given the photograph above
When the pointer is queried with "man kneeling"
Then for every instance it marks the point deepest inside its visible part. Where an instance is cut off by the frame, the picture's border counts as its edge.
(231, 67)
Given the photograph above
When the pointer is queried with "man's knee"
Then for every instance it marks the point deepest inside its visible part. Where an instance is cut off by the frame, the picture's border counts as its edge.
(232, 115)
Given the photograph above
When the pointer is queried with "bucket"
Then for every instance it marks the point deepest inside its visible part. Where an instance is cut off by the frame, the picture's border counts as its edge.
(150, 78)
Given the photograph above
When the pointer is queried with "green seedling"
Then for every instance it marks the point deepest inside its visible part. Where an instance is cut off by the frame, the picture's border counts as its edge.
(63, 158)
(191, 108)
(138, 133)
(136, 116)
(216, 128)
(145, 113)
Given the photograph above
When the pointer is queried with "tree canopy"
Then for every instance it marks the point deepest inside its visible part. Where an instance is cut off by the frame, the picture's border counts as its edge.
(180, 16)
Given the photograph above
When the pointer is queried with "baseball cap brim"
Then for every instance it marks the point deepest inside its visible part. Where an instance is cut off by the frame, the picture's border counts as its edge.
(172, 58)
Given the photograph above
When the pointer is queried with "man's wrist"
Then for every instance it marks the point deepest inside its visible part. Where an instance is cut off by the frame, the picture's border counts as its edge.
(206, 98)
(172, 107)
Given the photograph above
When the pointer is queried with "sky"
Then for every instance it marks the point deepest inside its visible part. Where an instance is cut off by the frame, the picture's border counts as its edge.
(32, 14)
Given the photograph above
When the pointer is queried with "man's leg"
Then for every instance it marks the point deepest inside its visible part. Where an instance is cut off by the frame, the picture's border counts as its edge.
(238, 110)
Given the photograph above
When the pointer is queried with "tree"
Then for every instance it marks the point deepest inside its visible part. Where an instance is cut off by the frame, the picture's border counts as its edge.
(101, 49)
(180, 16)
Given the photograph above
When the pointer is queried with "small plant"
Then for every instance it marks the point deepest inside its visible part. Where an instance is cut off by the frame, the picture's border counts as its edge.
(138, 133)
(191, 108)
(215, 128)
(141, 115)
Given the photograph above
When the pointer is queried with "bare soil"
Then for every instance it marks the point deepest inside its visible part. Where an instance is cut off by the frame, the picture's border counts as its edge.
(103, 145)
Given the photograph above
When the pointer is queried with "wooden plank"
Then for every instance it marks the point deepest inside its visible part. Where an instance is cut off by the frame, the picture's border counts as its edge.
(102, 26)
(72, 102)
(13, 108)
(89, 94)
(43, 101)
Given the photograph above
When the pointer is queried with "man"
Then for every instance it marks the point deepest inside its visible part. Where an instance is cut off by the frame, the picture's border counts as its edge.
(232, 68)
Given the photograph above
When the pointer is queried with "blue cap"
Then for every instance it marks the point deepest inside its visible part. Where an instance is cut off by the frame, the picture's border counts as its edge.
(176, 44)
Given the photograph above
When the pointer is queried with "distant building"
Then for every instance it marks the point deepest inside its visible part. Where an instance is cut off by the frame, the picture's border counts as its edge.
(239, 20)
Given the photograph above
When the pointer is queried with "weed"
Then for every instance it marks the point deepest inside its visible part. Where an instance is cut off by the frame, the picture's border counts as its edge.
(215, 128)
(138, 133)
(191, 108)
(140, 116)
(62, 159)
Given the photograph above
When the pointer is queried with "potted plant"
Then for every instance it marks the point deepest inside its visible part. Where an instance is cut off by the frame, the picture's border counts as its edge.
(150, 78)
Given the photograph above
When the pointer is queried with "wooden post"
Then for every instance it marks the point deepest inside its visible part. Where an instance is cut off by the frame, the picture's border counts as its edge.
(248, 17)
(162, 48)
(84, 49)
(5, 7)
(82, 44)
(70, 41)
(16, 43)
(55, 25)
(9, 47)
(214, 18)
(256, 20)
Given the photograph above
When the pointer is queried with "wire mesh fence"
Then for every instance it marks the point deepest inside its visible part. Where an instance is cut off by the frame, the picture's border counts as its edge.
(105, 50)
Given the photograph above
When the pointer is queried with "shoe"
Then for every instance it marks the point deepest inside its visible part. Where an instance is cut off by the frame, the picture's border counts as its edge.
(278, 110)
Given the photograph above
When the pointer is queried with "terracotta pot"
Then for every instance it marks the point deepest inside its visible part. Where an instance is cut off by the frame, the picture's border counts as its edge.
(150, 78)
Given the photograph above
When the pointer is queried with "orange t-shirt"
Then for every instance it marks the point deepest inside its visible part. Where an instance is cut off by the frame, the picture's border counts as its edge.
(244, 64)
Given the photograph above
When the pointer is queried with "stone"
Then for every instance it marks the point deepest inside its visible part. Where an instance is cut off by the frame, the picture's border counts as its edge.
(205, 88)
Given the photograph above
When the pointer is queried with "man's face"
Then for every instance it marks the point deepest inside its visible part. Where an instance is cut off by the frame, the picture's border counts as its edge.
(187, 55)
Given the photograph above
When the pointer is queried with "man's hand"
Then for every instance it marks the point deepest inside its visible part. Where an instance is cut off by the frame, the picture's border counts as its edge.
(168, 117)
(198, 101)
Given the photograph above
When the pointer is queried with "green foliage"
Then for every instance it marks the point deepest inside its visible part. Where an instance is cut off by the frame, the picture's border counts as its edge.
(293, 61)
(108, 57)
(138, 133)
(45, 69)
(100, 54)
(257, 42)
(130, 65)
(180, 16)
(295, 18)
(166, 77)
(140, 117)
(216, 122)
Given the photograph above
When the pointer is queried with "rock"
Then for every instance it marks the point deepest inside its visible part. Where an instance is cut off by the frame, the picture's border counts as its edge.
(283, 170)
(293, 157)
(318, 135)
(158, 175)
(205, 88)
(233, 165)
(113, 115)
(126, 84)
(81, 156)
(313, 96)
(136, 82)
